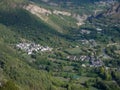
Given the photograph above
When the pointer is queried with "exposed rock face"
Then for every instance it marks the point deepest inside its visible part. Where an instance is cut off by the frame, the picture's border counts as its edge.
(44, 13)
(45, 0)
(80, 19)
(36, 9)
(114, 11)
(62, 13)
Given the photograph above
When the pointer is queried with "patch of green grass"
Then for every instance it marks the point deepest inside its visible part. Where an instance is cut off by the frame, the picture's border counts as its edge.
(76, 50)
(82, 79)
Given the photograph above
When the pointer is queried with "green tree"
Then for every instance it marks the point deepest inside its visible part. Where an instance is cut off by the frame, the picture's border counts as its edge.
(9, 85)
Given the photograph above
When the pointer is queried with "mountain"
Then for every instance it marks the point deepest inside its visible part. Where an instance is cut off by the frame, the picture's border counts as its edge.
(17, 25)
(52, 45)
(76, 6)
(29, 26)
(114, 11)
(108, 20)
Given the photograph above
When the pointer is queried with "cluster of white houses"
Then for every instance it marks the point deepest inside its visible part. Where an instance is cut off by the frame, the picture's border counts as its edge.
(92, 42)
(93, 61)
(31, 47)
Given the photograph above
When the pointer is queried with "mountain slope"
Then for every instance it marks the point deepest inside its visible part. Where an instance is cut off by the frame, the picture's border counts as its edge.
(108, 21)
(30, 27)
(17, 24)
(13, 67)
(114, 11)
(78, 53)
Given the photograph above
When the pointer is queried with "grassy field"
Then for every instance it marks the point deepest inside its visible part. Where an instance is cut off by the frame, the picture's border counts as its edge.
(76, 50)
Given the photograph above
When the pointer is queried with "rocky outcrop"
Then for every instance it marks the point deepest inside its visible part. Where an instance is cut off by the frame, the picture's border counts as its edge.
(61, 13)
(114, 10)
(34, 9)
(80, 19)
(40, 12)
(44, 13)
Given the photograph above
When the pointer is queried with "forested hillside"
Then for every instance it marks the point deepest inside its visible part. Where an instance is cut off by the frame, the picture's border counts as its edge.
(59, 45)
(17, 25)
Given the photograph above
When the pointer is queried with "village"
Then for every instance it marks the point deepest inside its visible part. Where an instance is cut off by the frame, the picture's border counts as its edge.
(90, 42)
(92, 61)
(29, 48)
